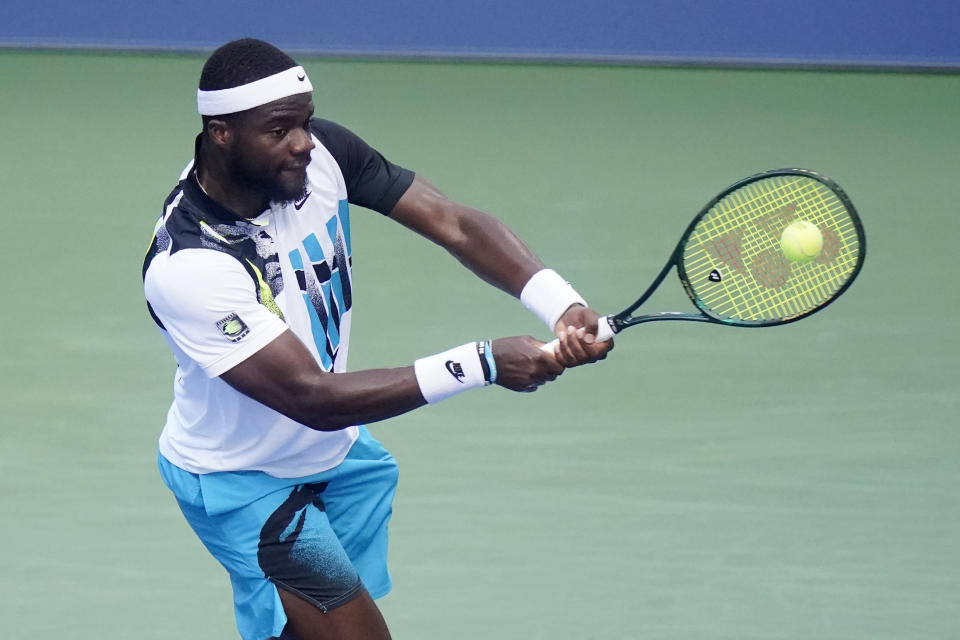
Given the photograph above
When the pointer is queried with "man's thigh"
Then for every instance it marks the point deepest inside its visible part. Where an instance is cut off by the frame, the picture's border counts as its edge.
(281, 539)
(359, 619)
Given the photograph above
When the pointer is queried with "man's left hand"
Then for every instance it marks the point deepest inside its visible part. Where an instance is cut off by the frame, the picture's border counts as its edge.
(577, 331)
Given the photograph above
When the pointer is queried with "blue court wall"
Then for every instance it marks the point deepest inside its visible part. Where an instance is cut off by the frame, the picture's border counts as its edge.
(877, 33)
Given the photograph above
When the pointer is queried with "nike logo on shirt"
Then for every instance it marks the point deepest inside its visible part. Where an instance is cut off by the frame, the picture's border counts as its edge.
(302, 201)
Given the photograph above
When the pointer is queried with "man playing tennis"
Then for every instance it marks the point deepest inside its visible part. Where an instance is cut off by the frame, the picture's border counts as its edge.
(249, 279)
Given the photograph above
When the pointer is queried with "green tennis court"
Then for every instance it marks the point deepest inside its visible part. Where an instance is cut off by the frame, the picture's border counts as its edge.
(703, 482)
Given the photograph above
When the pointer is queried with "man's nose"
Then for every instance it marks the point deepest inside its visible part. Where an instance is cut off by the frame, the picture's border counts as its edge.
(301, 142)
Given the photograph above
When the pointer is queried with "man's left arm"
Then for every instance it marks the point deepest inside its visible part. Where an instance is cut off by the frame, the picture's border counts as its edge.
(492, 251)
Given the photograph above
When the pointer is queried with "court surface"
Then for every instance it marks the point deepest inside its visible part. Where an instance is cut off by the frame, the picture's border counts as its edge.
(704, 482)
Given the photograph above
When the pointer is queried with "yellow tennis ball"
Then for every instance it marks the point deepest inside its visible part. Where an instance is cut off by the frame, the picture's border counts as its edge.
(801, 241)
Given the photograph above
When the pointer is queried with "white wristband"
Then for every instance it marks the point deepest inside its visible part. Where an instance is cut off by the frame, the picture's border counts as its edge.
(446, 374)
(548, 295)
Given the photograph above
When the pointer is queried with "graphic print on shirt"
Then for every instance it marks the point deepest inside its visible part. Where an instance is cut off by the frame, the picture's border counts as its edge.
(259, 251)
(325, 283)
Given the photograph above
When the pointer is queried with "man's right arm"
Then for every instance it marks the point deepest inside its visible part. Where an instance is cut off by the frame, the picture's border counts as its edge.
(208, 306)
(284, 376)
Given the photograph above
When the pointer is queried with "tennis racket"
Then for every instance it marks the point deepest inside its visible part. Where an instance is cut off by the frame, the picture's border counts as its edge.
(733, 267)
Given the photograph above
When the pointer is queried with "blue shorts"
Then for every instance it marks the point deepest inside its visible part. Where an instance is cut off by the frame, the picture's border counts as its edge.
(322, 537)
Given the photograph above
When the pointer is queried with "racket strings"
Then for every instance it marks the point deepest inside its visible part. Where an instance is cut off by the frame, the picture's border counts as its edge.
(772, 272)
(733, 264)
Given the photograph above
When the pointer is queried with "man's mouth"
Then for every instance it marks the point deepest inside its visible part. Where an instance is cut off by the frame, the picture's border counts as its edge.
(299, 166)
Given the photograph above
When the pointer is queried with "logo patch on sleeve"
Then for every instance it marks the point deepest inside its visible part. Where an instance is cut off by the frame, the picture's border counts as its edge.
(233, 328)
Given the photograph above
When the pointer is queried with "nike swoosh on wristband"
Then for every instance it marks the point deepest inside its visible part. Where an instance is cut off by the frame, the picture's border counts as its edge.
(456, 370)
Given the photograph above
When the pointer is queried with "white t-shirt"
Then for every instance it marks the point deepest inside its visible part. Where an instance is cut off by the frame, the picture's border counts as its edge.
(221, 288)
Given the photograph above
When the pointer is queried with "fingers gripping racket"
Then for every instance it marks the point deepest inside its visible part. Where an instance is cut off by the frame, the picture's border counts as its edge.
(771, 249)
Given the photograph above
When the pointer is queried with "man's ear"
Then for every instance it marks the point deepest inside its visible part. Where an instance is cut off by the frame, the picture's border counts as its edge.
(219, 132)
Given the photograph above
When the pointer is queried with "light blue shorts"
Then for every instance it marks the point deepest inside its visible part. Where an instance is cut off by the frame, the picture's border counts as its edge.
(323, 537)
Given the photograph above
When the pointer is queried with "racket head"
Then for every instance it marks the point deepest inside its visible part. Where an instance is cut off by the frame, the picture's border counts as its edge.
(730, 261)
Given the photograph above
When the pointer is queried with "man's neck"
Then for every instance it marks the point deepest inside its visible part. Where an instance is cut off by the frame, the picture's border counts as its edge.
(238, 198)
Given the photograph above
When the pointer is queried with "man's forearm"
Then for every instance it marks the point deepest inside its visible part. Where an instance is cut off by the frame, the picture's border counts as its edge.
(493, 251)
(481, 242)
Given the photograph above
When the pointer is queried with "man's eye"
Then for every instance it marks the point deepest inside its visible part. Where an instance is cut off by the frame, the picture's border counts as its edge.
(280, 133)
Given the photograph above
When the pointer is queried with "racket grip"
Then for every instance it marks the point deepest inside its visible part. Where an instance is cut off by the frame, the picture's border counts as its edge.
(604, 332)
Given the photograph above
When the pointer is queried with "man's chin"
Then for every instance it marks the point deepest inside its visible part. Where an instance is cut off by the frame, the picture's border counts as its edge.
(283, 197)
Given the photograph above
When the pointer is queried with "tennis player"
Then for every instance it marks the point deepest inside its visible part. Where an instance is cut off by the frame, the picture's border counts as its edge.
(249, 279)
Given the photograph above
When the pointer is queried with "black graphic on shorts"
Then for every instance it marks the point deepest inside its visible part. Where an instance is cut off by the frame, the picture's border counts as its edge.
(298, 550)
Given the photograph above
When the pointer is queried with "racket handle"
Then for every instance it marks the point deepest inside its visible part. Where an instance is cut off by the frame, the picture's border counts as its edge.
(604, 332)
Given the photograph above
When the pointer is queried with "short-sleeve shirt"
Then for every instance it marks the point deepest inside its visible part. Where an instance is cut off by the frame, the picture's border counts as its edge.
(221, 287)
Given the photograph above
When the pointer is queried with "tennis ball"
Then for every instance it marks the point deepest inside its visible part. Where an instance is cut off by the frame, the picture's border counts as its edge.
(801, 241)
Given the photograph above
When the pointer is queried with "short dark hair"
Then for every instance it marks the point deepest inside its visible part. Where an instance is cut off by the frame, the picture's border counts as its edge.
(242, 61)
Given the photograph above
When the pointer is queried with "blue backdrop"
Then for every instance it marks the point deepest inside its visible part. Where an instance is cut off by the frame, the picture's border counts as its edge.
(819, 32)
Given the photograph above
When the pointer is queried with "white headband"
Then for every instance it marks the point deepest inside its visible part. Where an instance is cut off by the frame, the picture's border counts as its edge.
(259, 92)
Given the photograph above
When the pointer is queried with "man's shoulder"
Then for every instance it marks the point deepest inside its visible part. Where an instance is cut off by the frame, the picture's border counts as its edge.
(182, 220)
(187, 226)
(190, 274)
(335, 137)
(323, 127)
(194, 261)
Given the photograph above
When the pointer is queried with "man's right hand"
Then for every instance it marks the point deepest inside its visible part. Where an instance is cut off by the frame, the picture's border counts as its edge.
(522, 365)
